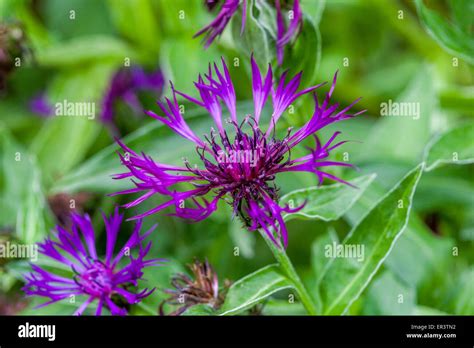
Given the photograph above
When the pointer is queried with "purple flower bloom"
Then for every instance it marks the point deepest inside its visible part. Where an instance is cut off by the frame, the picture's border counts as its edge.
(241, 171)
(125, 85)
(41, 106)
(98, 279)
(230, 7)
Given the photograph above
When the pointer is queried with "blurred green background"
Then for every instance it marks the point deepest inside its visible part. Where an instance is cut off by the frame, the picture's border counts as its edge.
(405, 51)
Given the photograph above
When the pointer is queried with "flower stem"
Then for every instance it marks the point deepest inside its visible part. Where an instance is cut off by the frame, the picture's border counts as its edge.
(287, 267)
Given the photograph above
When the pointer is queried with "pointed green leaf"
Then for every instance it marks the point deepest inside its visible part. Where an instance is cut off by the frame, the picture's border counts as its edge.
(422, 310)
(313, 9)
(455, 36)
(83, 50)
(326, 202)
(253, 288)
(65, 138)
(387, 295)
(283, 307)
(319, 260)
(23, 205)
(254, 39)
(136, 16)
(305, 54)
(404, 128)
(346, 277)
(199, 310)
(455, 146)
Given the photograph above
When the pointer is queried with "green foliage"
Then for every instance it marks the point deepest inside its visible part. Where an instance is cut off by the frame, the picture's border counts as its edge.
(456, 35)
(255, 39)
(403, 138)
(23, 203)
(422, 251)
(132, 16)
(253, 288)
(344, 279)
(388, 296)
(455, 146)
(85, 50)
(328, 202)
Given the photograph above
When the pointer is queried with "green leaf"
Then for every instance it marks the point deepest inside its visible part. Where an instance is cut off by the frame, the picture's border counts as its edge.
(283, 307)
(462, 301)
(64, 141)
(454, 37)
(253, 288)
(242, 238)
(422, 310)
(85, 50)
(345, 278)
(199, 310)
(463, 13)
(328, 202)
(90, 18)
(418, 254)
(23, 204)
(435, 192)
(266, 17)
(404, 137)
(314, 9)
(305, 54)
(64, 307)
(455, 147)
(136, 16)
(183, 60)
(389, 296)
(319, 261)
(254, 39)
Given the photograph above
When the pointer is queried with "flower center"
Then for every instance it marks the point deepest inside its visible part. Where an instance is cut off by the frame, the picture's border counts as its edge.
(97, 280)
(245, 167)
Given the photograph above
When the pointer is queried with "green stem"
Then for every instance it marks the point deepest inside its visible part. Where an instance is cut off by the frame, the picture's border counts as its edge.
(287, 267)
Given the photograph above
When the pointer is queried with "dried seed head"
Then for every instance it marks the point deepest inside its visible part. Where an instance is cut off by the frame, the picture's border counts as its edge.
(201, 288)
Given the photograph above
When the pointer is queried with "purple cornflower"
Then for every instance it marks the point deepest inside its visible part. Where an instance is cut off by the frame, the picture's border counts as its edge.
(241, 171)
(125, 85)
(230, 7)
(100, 280)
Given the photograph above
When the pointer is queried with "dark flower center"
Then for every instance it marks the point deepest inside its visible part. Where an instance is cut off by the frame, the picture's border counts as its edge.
(244, 168)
